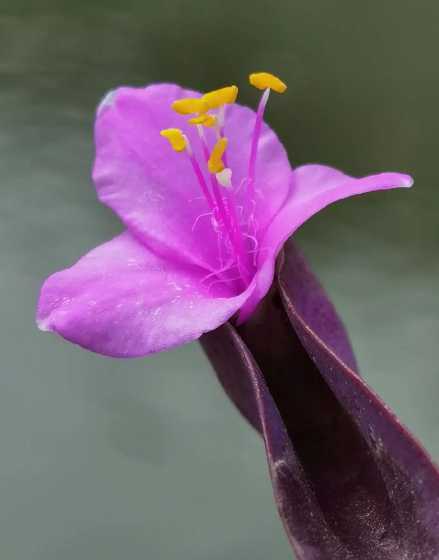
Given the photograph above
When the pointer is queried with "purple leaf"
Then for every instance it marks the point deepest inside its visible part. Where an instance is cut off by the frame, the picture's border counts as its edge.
(350, 482)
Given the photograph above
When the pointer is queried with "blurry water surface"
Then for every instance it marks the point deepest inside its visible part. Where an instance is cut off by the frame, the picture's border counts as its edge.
(105, 459)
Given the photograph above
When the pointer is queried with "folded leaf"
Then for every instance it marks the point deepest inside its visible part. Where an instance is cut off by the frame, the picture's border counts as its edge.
(350, 482)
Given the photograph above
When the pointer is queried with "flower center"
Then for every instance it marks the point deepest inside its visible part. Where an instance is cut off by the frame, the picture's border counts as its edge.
(235, 226)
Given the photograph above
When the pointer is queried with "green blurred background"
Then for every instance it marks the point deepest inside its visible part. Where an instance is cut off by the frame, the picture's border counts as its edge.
(105, 459)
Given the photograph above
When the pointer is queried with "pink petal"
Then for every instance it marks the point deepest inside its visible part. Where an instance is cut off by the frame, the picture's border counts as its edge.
(121, 300)
(153, 189)
(313, 187)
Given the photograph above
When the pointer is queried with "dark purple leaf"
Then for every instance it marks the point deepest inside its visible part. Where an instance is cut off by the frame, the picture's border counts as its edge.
(350, 482)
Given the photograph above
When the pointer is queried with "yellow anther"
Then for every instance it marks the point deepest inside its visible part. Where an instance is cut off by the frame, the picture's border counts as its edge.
(210, 121)
(190, 105)
(176, 138)
(205, 119)
(219, 97)
(264, 80)
(215, 163)
(198, 120)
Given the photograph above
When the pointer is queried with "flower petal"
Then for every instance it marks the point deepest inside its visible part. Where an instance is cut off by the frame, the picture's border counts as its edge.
(154, 190)
(313, 187)
(122, 300)
(138, 175)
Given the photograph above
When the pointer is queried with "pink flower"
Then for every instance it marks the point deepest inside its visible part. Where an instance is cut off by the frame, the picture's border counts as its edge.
(204, 222)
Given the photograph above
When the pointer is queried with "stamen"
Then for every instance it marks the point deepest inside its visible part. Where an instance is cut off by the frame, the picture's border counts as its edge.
(220, 278)
(219, 128)
(220, 119)
(221, 116)
(199, 218)
(203, 142)
(264, 80)
(237, 241)
(179, 143)
(255, 142)
(176, 138)
(225, 211)
(220, 211)
(202, 181)
(235, 226)
(205, 119)
(224, 177)
(218, 97)
(190, 105)
(188, 146)
(215, 163)
(267, 82)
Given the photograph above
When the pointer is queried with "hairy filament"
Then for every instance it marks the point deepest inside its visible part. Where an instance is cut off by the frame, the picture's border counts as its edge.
(227, 216)
(198, 219)
(235, 226)
(201, 181)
